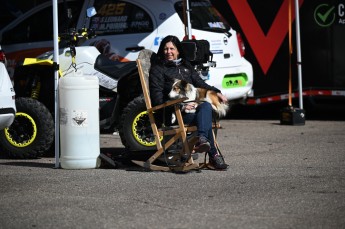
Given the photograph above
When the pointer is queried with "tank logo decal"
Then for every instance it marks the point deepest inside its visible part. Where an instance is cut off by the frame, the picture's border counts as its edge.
(79, 118)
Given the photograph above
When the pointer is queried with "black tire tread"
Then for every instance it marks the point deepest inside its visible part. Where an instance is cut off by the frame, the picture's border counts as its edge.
(125, 125)
(45, 130)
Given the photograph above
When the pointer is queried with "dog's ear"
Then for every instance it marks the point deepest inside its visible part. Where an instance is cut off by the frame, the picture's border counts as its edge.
(183, 83)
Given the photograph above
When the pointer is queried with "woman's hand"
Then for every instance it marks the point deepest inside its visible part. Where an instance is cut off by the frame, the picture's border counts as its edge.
(190, 106)
(222, 97)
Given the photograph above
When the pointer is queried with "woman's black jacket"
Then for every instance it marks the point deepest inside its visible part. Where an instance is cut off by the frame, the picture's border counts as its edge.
(163, 75)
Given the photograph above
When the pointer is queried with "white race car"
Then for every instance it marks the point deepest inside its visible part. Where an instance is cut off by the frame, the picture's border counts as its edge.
(125, 27)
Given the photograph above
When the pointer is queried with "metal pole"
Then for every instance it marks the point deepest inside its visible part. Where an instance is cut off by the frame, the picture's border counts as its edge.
(299, 61)
(290, 53)
(56, 82)
(189, 26)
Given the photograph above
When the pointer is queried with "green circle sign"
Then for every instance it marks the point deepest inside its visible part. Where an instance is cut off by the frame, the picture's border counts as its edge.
(324, 15)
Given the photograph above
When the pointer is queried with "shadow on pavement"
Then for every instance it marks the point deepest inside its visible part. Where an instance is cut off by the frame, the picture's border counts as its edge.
(119, 158)
(29, 163)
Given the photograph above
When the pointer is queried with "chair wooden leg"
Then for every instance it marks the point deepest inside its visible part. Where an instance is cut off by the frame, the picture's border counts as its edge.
(151, 166)
(190, 165)
(177, 165)
(160, 151)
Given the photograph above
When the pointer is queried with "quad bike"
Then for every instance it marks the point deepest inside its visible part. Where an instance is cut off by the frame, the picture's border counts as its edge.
(122, 107)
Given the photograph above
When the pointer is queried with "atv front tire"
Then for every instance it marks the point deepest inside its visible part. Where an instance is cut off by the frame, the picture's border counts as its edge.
(135, 128)
(31, 133)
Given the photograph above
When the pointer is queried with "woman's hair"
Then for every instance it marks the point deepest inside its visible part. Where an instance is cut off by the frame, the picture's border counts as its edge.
(175, 41)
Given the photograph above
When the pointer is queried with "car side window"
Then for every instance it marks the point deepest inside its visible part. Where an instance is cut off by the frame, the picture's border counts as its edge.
(118, 17)
(39, 26)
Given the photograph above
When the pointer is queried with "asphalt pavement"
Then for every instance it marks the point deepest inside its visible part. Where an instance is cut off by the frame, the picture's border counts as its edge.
(280, 176)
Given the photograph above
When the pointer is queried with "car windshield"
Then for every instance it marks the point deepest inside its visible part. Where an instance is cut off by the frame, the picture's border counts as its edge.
(204, 16)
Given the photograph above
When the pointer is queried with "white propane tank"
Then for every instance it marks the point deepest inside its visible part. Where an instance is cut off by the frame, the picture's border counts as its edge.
(79, 121)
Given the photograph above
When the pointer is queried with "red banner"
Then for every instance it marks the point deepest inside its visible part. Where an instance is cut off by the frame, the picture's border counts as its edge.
(264, 46)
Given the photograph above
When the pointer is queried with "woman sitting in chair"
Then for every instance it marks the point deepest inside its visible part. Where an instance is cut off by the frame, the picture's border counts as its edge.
(171, 65)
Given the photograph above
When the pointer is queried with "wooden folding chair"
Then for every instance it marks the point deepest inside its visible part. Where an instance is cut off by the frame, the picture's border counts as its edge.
(177, 133)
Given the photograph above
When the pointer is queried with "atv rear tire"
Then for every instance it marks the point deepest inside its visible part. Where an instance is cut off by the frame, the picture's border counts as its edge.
(31, 133)
(135, 128)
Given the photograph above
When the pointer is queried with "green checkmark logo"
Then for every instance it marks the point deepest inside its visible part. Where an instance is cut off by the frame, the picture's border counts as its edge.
(324, 15)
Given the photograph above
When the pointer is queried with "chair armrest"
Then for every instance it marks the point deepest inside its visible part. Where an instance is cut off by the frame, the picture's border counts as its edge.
(167, 104)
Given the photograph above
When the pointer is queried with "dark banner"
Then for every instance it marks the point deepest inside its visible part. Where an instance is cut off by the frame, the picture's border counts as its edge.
(264, 26)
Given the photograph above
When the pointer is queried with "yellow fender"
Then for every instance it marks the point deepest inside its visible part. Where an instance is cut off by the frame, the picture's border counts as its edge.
(35, 61)
(31, 61)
